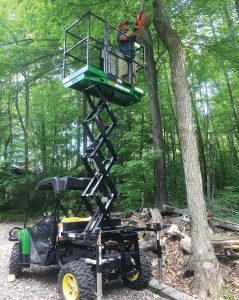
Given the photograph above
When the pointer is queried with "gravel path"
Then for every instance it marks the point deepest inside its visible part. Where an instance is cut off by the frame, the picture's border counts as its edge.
(39, 283)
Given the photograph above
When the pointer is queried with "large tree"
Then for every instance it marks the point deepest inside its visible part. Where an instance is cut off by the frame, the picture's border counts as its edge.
(207, 278)
(160, 195)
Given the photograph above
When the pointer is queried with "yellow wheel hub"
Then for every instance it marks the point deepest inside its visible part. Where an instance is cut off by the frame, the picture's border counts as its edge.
(70, 287)
(133, 277)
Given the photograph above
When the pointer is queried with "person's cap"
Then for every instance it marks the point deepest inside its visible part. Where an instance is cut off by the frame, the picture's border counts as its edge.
(123, 23)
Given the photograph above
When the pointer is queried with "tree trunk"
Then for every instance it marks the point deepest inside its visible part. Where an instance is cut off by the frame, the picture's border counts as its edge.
(54, 146)
(6, 133)
(237, 7)
(83, 117)
(202, 156)
(142, 136)
(233, 149)
(231, 98)
(66, 148)
(160, 196)
(207, 144)
(232, 101)
(222, 173)
(207, 278)
(43, 142)
(24, 120)
(78, 129)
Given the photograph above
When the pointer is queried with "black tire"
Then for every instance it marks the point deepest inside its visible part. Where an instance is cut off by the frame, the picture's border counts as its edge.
(14, 266)
(83, 275)
(141, 279)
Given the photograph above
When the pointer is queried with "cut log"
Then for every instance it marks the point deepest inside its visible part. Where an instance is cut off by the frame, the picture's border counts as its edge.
(231, 247)
(224, 224)
(185, 244)
(170, 210)
(156, 216)
(163, 241)
(173, 230)
(175, 220)
(226, 242)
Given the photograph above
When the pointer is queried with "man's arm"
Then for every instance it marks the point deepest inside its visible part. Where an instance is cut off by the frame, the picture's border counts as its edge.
(130, 34)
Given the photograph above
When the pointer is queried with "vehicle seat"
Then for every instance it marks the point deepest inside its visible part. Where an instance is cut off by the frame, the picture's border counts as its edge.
(74, 223)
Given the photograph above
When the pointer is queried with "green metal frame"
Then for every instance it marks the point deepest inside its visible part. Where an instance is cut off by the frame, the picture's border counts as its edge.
(121, 94)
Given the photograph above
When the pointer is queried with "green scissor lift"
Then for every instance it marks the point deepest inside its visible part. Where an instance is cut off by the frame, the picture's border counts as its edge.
(88, 250)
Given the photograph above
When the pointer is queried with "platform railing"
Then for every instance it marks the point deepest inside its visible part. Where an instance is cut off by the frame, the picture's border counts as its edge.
(85, 45)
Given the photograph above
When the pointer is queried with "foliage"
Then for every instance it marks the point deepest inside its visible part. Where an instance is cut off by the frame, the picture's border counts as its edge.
(45, 128)
(226, 204)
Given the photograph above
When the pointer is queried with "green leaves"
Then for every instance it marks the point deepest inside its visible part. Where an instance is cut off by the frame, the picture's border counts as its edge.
(31, 41)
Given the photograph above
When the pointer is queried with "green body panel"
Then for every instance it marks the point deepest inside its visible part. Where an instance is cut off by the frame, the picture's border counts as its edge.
(121, 94)
(24, 237)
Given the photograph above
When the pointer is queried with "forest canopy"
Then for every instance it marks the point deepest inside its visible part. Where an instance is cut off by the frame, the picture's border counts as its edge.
(40, 121)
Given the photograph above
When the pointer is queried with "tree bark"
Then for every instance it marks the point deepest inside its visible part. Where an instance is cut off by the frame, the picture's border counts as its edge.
(202, 156)
(207, 144)
(160, 196)
(222, 173)
(233, 149)
(207, 278)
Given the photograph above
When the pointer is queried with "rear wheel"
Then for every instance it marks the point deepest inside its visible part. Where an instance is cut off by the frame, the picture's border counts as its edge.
(76, 281)
(140, 279)
(14, 265)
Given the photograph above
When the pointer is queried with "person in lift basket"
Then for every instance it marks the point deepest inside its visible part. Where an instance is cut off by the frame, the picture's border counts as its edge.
(126, 41)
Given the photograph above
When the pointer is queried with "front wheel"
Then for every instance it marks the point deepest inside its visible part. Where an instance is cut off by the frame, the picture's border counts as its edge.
(14, 265)
(76, 281)
(140, 279)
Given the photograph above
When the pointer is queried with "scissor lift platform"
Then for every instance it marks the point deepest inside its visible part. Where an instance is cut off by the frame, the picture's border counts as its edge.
(119, 93)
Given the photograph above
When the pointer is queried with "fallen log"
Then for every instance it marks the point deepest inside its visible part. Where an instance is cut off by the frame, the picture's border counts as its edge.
(170, 210)
(173, 230)
(226, 243)
(156, 216)
(186, 244)
(224, 224)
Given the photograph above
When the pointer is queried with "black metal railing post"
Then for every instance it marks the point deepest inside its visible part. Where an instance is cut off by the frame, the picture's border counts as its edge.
(106, 45)
(88, 41)
(64, 58)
